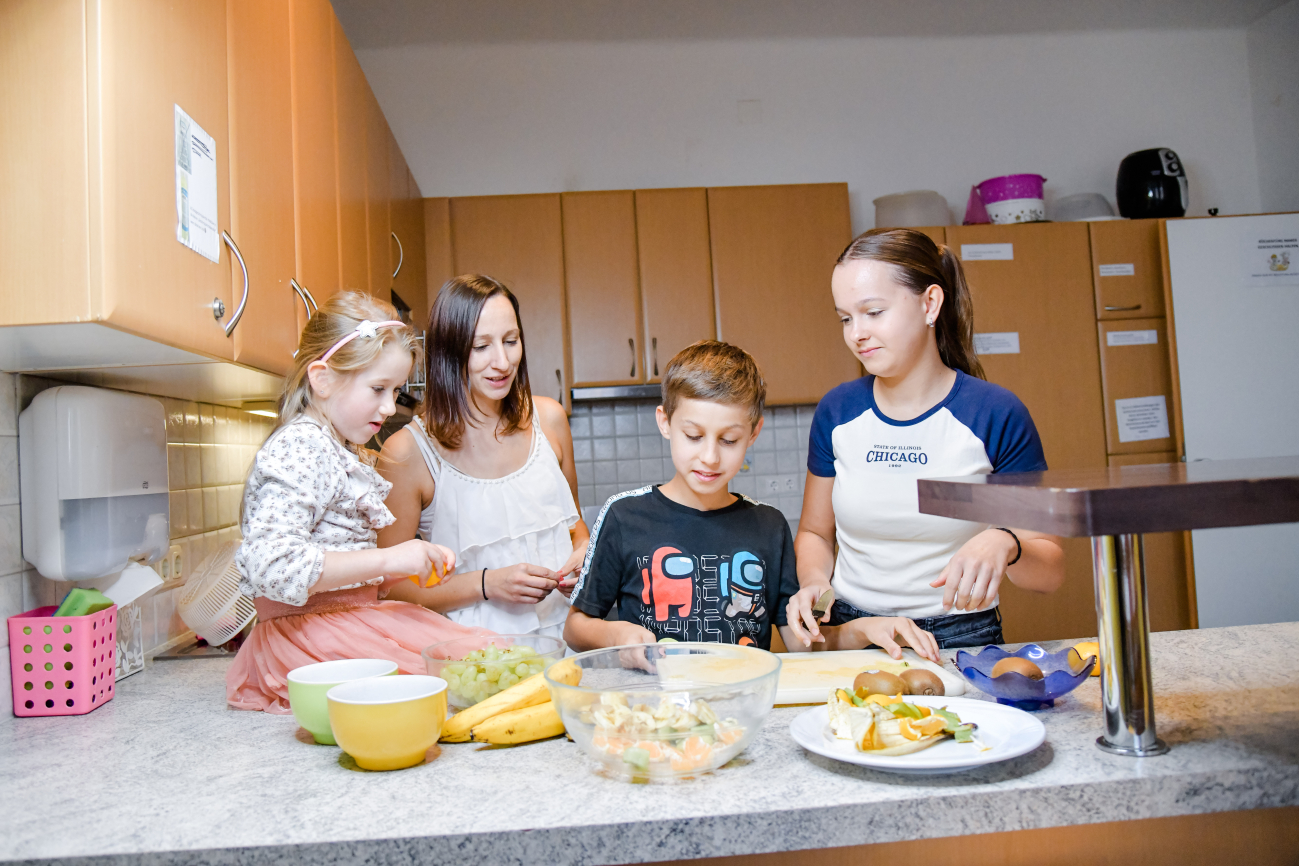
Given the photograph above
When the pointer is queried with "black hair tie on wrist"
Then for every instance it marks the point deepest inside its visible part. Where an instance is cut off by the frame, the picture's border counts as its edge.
(1019, 548)
(484, 580)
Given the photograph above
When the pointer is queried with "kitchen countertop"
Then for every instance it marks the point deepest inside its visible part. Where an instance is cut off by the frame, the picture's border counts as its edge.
(166, 774)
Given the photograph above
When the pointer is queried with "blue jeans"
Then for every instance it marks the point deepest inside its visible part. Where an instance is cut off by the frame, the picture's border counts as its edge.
(951, 630)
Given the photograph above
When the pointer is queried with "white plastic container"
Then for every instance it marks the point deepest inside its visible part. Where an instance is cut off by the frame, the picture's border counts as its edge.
(1080, 207)
(93, 481)
(921, 207)
(1016, 210)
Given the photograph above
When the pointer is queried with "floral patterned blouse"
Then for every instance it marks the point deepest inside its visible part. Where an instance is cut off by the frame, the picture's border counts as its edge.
(307, 494)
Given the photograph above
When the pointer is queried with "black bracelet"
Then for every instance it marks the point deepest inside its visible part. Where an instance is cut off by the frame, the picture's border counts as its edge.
(484, 581)
(1019, 548)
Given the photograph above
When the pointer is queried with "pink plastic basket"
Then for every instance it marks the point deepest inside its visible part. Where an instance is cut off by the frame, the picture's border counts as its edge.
(1011, 186)
(62, 666)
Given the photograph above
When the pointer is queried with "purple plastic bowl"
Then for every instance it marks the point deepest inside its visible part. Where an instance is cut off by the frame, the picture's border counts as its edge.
(1018, 690)
(1011, 186)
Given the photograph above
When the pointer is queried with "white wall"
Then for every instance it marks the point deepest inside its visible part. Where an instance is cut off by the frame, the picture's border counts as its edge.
(884, 114)
(1274, 79)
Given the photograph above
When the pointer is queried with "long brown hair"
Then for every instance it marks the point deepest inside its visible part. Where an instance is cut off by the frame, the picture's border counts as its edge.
(450, 338)
(919, 262)
(335, 319)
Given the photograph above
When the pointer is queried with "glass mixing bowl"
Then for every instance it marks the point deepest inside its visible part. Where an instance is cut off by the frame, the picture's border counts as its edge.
(478, 667)
(662, 711)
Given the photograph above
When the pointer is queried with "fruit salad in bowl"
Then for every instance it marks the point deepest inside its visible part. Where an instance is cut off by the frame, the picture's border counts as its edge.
(662, 711)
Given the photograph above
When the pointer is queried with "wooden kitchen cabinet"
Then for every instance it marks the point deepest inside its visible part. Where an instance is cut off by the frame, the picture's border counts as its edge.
(353, 113)
(676, 274)
(406, 241)
(773, 250)
(603, 285)
(518, 240)
(1134, 364)
(89, 227)
(1126, 268)
(315, 148)
(261, 179)
(439, 263)
(1170, 591)
(1043, 300)
(378, 198)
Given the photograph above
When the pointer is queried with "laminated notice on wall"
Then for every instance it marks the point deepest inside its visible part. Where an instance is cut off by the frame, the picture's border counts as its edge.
(1118, 271)
(1272, 260)
(1132, 338)
(987, 252)
(997, 343)
(196, 188)
(1141, 418)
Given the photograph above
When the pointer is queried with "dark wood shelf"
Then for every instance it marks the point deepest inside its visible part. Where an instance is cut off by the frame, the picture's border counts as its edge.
(1124, 499)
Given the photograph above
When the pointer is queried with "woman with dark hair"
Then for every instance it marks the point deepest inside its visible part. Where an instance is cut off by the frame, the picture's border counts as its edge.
(487, 470)
(923, 410)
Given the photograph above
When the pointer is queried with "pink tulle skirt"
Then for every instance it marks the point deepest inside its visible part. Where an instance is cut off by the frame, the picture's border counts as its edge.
(392, 630)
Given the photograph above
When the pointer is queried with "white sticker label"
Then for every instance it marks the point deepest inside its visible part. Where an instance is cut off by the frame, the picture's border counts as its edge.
(999, 343)
(1142, 418)
(196, 188)
(1118, 271)
(1271, 261)
(1131, 338)
(987, 252)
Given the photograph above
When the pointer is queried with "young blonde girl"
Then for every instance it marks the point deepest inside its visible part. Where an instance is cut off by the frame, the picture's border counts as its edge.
(313, 504)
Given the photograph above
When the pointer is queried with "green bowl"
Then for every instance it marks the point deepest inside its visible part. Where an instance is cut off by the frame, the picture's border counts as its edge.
(308, 685)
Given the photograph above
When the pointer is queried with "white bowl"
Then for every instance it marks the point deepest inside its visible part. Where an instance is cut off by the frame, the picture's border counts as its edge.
(1017, 210)
(1081, 206)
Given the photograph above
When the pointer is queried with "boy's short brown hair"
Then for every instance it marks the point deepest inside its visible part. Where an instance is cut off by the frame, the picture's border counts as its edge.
(717, 372)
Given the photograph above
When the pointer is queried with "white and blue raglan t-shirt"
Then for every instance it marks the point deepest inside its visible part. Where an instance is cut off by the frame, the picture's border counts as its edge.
(888, 551)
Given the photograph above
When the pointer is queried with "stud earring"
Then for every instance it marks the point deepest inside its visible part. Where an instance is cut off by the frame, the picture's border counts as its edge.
(929, 322)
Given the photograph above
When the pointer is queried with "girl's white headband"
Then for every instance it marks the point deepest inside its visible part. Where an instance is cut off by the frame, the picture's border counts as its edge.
(364, 329)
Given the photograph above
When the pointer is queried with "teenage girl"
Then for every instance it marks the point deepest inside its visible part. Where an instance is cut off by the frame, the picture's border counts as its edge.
(923, 410)
(488, 469)
(313, 505)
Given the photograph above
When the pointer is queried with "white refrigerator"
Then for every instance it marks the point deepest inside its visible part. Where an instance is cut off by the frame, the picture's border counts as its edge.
(1235, 287)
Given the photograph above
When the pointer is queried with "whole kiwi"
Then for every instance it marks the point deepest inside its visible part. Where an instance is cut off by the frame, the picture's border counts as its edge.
(1013, 664)
(922, 682)
(878, 683)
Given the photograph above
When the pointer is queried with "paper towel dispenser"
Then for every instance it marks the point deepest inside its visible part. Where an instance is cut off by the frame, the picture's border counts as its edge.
(93, 481)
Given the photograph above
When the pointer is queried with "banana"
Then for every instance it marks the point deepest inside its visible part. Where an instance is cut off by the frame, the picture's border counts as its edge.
(523, 694)
(520, 726)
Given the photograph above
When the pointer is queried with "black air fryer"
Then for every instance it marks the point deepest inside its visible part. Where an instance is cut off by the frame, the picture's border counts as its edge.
(1151, 185)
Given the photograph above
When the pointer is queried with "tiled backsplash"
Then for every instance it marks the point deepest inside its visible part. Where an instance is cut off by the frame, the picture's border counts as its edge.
(209, 451)
(617, 446)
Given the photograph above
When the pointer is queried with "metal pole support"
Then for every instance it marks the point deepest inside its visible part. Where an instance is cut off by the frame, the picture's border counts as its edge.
(1123, 623)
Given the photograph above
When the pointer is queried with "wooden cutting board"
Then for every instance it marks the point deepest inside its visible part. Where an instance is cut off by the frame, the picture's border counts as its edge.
(806, 678)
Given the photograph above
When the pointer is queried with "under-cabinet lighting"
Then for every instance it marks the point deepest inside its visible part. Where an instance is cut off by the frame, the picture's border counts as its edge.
(265, 408)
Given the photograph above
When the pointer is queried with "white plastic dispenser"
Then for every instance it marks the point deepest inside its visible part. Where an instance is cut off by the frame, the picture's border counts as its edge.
(93, 477)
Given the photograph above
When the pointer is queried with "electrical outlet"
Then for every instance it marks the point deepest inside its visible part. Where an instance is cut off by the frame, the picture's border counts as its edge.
(171, 568)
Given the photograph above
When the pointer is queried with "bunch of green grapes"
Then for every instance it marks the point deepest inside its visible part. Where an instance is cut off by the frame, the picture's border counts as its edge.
(485, 672)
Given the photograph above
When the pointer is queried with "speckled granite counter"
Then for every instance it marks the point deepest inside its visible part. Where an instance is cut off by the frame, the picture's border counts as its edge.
(166, 774)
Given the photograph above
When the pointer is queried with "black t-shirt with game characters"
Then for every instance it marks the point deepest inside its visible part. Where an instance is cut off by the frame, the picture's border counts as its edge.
(722, 576)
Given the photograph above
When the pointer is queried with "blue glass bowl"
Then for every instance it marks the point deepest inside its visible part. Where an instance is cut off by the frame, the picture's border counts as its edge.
(1061, 675)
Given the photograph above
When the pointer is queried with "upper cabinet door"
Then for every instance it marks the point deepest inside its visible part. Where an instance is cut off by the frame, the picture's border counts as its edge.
(774, 248)
(439, 262)
(603, 287)
(378, 198)
(1127, 270)
(676, 273)
(353, 115)
(517, 239)
(154, 55)
(261, 179)
(406, 240)
(315, 150)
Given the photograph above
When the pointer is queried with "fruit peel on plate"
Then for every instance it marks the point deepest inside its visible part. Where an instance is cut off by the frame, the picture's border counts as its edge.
(888, 725)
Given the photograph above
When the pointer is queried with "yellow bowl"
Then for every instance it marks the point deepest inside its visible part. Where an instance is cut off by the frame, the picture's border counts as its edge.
(388, 723)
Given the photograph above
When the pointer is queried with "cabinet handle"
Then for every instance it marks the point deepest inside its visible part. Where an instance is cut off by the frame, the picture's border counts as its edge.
(401, 254)
(308, 300)
(559, 377)
(631, 344)
(1122, 309)
(654, 353)
(243, 302)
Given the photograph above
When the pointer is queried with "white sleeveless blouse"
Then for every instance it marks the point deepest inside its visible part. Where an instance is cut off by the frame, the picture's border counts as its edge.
(497, 522)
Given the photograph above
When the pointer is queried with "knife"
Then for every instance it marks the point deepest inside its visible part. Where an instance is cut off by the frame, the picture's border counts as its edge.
(824, 603)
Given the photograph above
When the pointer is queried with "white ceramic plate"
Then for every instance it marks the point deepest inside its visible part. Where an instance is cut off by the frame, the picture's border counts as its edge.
(1007, 732)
